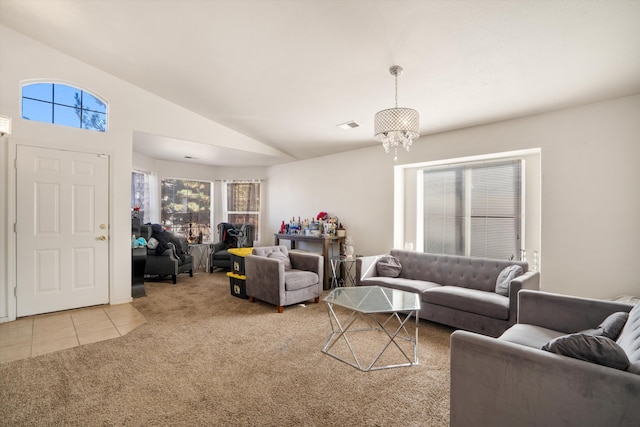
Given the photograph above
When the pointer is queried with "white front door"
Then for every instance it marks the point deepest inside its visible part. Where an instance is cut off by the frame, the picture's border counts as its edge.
(62, 230)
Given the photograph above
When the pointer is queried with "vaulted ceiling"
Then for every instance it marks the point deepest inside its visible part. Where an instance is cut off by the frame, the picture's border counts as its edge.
(286, 72)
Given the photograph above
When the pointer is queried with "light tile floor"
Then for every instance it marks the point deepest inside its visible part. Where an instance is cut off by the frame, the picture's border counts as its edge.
(46, 333)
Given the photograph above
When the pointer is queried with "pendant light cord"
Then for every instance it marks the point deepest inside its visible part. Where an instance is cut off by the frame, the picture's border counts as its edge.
(396, 76)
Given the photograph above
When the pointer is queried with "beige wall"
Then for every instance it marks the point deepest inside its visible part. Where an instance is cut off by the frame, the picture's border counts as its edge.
(590, 199)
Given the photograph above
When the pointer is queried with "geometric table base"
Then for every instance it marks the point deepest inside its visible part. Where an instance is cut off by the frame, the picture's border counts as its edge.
(372, 341)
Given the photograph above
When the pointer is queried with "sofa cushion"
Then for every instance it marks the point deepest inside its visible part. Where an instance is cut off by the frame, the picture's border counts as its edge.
(388, 266)
(505, 277)
(484, 303)
(596, 349)
(298, 279)
(222, 255)
(408, 285)
(282, 257)
(529, 335)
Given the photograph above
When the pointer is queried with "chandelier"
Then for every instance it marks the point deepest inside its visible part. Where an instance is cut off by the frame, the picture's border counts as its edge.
(396, 126)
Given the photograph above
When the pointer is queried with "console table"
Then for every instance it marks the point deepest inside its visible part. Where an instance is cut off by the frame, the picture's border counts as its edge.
(326, 242)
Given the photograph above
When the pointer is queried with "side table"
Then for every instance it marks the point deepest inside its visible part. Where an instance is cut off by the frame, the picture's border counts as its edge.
(138, 263)
(200, 253)
(346, 267)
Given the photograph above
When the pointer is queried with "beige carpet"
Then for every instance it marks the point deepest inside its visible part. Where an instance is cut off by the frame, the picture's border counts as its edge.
(205, 357)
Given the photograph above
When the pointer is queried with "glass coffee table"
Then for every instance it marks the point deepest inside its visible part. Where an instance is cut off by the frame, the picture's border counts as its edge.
(372, 309)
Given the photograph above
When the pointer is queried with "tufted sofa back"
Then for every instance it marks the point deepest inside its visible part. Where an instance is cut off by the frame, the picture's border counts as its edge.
(629, 339)
(266, 250)
(452, 270)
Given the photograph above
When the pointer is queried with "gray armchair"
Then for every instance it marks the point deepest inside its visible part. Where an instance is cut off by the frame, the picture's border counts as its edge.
(168, 260)
(231, 236)
(270, 279)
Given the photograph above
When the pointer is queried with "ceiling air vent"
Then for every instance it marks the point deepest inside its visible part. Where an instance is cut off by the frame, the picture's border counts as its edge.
(349, 125)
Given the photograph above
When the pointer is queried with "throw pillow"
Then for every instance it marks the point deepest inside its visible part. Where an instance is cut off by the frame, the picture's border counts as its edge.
(152, 243)
(388, 266)
(505, 277)
(282, 257)
(610, 327)
(595, 349)
(613, 324)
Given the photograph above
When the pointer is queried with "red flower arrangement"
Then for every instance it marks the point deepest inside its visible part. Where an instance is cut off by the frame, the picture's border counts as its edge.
(322, 215)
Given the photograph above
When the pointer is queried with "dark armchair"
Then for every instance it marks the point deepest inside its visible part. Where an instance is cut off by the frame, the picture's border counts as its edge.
(230, 236)
(170, 257)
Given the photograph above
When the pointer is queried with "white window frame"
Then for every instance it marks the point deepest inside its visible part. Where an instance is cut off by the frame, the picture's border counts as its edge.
(73, 86)
(184, 231)
(406, 230)
(466, 169)
(225, 209)
(151, 209)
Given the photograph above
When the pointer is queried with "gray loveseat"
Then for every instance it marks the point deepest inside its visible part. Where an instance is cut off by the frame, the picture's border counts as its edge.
(454, 290)
(510, 381)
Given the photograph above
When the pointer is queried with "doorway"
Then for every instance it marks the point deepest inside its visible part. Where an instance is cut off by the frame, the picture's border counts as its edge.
(62, 230)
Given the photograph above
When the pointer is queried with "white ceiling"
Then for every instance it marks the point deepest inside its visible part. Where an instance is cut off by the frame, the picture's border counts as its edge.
(287, 72)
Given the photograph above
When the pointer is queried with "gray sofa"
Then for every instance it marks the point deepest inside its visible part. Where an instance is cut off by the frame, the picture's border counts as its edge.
(454, 290)
(510, 381)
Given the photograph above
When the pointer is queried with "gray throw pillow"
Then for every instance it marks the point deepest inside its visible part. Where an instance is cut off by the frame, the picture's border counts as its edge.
(388, 266)
(613, 324)
(595, 349)
(284, 258)
(610, 327)
(152, 243)
(505, 277)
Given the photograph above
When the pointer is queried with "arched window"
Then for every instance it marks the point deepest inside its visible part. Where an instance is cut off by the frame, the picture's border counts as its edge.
(63, 105)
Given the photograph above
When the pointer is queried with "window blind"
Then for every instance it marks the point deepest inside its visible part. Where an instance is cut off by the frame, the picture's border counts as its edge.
(473, 209)
(243, 203)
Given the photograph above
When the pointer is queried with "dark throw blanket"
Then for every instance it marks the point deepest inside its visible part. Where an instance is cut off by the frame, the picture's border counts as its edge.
(164, 238)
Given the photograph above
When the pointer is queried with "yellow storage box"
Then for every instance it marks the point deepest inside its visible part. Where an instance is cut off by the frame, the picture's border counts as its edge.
(237, 259)
(237, 285)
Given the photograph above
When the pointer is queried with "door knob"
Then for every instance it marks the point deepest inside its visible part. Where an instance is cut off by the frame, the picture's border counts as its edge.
(103, 237)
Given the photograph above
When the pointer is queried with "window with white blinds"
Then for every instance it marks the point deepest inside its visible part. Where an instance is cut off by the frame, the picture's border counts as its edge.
(473, 209)
(243, 204)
